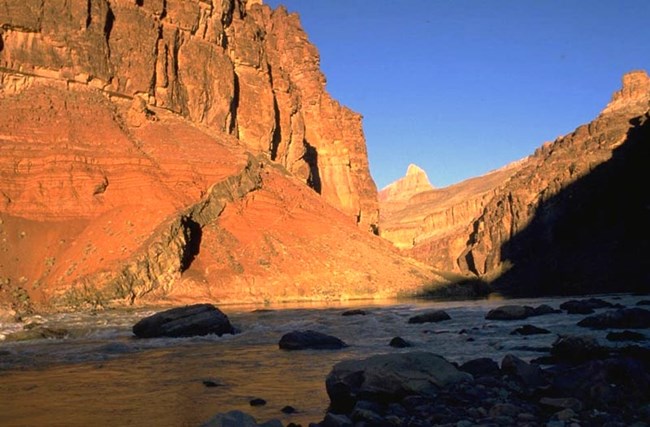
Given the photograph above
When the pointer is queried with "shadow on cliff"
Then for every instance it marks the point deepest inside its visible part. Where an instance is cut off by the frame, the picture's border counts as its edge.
(594, 235)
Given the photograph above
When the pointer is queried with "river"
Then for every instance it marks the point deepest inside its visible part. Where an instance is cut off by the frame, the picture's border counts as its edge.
(100, 374)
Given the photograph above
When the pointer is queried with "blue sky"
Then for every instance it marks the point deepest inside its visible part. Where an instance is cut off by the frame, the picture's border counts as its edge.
(462, 87)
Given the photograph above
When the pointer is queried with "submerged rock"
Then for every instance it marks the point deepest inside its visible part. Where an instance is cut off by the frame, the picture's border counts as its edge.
(390, 377)
(624, 318)
(238, 419)
(430, 316)
(355, 312)
(399, 342)
(625, 336)
(510, 312)
(37, 333)
(302, 340)
(585, 306)
(188, 321)
(529, 330)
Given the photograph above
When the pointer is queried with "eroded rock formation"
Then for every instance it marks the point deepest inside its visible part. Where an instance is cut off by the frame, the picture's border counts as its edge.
(235, 66)
(565, 219)
(158, 151)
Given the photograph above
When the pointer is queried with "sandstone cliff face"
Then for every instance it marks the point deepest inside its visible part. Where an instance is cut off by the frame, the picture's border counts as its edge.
(232, 65)
(430, 224)
(105, 200)
(564, 220)
(568, 221)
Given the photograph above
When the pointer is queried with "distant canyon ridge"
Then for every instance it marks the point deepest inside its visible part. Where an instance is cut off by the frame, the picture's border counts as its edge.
(571, 218)
(170, 151)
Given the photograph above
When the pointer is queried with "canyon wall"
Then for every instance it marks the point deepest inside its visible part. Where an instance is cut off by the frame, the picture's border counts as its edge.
(235, 66)
(564, 220)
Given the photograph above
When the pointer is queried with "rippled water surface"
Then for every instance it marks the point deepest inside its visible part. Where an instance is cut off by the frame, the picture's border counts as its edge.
(101, 375)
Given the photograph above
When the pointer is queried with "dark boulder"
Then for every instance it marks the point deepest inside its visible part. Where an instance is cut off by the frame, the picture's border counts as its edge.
(585, 306)
(389, 378)
(643, 302)
(399, 342)
(530, 375)
(188, 321)
(624, 318)
(529, 330)
(429, 317)
(510, 312)
(481, 367)
(576, 349)
(302, 340)
(542, 310)
(355, 312)
(626, 336)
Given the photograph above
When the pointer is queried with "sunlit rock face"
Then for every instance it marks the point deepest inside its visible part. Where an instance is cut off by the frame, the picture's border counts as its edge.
(235, 66)
(159, 151)
(562, 220)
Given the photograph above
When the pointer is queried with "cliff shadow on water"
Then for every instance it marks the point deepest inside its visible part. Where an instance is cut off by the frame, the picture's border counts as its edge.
(594, 235)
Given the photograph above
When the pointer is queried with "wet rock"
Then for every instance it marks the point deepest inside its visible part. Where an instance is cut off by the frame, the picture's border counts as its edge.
(257, 402)
(188, 321)
(389, 377)
(585, 306)
(544, 309)
(302, 340)
(211, 383)
(510, 312)
(356, 312)
(562, 403)
(643, 302)
(504, 409)
(624, 318)
(626, 336)
(429, 317)
(288, 410)
(365, 411)
(529, 330)
(577, 348)
(37, 333)
(530, 375)
(399, 342)
(481, 367)
(238, 419)
(335, 420)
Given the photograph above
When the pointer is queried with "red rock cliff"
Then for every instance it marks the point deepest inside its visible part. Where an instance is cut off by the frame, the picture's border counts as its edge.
(235, 66)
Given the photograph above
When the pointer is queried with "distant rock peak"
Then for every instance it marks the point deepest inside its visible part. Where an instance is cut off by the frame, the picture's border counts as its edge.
(415, 181)
(635, 91)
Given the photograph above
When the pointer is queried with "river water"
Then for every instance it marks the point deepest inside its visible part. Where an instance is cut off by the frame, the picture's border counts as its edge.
(101, 375)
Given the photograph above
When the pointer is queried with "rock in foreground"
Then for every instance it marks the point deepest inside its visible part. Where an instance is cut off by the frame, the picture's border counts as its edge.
(624, 318)
(430, 317)
(390, 378)
(303, 340)
(188, 321)
(238, 419)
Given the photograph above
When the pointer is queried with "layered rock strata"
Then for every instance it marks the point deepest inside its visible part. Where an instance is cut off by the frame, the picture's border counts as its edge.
(106, 200)
(562, 220)
(235, 66)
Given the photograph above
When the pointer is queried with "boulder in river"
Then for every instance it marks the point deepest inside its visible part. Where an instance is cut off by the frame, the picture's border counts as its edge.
(389, 378)
(188, 321)
(399, 342)
(625, 336)
(430, 316)
(510, 312)
(354, 312)
(483, 366)
(585, 306)
(529, 330)
(577, 348)
(302, 340)
(623, 318)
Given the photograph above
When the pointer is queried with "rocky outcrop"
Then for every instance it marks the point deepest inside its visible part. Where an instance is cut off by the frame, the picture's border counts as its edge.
(235, 66)
(567, 220)
(563, 220)
(429, 224)
(105, 200)
(189, 321)
(414, 182)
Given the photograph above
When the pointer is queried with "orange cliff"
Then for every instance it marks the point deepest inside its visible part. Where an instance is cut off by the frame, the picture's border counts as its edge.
(563, 220)
(158, 153)
(235, 66)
